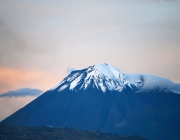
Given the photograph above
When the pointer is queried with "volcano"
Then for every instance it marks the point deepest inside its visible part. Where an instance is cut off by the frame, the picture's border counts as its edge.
(102, 98)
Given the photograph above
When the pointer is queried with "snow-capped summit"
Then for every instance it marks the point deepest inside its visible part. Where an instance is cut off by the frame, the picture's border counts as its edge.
(106, 77)
(101, 76)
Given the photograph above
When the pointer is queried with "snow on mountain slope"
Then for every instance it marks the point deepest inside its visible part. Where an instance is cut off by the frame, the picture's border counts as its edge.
(107, 77)
(102, 76)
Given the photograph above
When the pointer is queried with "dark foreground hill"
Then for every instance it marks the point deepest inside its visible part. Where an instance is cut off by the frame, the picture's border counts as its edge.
(9, 132)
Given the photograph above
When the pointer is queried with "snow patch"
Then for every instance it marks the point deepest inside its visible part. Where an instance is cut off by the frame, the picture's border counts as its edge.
(75, 82)
(108, 71)
(63, 87)
(103, 88)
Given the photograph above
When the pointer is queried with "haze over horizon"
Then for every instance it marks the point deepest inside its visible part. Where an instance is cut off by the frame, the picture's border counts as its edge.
(40, 40)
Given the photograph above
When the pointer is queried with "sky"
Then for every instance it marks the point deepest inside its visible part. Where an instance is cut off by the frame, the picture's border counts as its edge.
(41, 40)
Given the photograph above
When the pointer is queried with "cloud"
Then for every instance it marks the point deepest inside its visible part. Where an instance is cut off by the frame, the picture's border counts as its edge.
(22, 92)
(11, 46)
(17, 47)
(69, 70)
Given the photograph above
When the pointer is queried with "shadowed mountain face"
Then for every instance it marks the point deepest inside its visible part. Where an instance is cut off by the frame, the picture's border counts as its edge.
(95, 105)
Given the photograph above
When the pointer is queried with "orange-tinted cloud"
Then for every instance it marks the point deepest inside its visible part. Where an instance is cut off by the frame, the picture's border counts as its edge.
(11, 79)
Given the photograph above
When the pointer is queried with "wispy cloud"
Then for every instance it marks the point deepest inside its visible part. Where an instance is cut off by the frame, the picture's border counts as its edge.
(22, 92)
(10, 46)
(69, 70)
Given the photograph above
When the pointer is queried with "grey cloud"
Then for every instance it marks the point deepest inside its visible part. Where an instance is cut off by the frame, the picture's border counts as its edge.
(10, 45)
(26, 48)
(22, 92)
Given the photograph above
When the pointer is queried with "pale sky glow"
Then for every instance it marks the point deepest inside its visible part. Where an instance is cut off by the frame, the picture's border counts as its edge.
(47, 37)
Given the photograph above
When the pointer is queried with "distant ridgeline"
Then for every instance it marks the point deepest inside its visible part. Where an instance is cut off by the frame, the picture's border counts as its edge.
(102, 98)
(22, 92)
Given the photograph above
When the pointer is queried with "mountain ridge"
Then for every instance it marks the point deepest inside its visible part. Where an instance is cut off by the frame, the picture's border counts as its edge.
(114, 79)
(22, 92)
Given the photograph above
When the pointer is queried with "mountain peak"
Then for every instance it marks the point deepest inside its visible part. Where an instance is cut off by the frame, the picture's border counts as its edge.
(108, 70)
(101, 76)
(105, 77)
